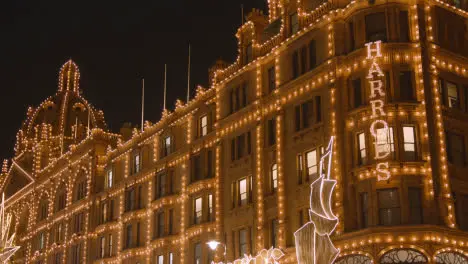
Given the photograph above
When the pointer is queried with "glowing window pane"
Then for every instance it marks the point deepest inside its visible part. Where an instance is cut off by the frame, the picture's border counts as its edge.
(198, 210)
(385, 141)
(243, 191)
(274, 176)
(311, 157)
(204, 125)
(409, 140)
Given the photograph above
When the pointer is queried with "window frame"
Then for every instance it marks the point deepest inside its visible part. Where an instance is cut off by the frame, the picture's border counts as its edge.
(274, 177)
(406, 143)
(362, 151)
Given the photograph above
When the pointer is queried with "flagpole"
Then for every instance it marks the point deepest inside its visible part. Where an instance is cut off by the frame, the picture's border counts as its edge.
(89, 121)
(165, 85)
(143, 105)
(242, 14)
(188, 75)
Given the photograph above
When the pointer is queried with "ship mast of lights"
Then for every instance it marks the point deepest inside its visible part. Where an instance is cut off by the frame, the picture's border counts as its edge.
(7, 247)
(313, 243)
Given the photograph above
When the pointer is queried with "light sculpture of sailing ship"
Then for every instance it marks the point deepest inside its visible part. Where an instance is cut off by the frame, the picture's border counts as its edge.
(313, 243)
(7, 247)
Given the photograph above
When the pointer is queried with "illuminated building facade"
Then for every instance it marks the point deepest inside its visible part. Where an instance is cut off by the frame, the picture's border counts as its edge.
(235, 164)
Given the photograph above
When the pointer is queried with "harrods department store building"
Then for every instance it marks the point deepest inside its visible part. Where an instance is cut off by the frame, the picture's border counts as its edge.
(235, 164)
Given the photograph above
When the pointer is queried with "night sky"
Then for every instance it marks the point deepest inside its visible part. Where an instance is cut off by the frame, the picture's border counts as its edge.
(115, 44)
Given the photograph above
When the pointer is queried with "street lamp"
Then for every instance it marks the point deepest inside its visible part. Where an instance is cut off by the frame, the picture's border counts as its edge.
(213, 244)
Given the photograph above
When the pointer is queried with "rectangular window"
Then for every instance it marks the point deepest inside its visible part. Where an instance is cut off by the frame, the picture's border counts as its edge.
(303, 59)
(58, 233)
(409, 143)
(243, 242)
(300, 168)
(233, 149)
(103, 212)
(364, 210)
(196, 168)
(248, 53)
(376, 27)
(300, 218)
(404, 26)
(43, 214)
(311, 161)
(130, 200)
(171, 258)
(111, 210)
(351, 36)
(295, 64)
(312, 54)
(362, 153)
(461, 206)
(210, 207)
(455, 149)
(78, 222)
(273, 233)
(81, 190)
(102, 247)
(136, 163)
(415, 206)
(385, 142)
(274, 177)
(209, 167)
(242, 195)
(240, 146)
(111, 245)
(453, 98)
(109, 179)
(198, 254)
(304, 115)
(406, 86)
(171, 222)
(356, 93)
(244, 94)
(161, 184)
(167, 146)
(294, 23)
(271, 132)
(318, 109)
(160, 224)
(128, 240)
(61, 200)
(197, 217)
(138, 235)
(389, 207)
(249, 143)
(58, 258)
(160, 259)
(203, 126)
(76, 254)
(41, 241)
(271, 79)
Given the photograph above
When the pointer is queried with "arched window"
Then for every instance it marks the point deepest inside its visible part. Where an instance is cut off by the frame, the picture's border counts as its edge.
(274, 177)
(451, 258)
(403, 256)
(354, 259)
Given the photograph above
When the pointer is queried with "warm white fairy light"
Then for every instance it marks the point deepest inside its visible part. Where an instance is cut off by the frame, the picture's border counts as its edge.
(271, 50)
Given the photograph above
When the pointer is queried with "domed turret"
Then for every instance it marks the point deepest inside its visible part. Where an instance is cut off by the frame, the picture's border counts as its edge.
(60, 120)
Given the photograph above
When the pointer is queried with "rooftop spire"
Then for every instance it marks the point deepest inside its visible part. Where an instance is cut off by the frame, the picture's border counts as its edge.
(69, 77)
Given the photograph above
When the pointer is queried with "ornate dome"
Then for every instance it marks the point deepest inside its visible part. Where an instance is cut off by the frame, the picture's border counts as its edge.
(65, 115)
